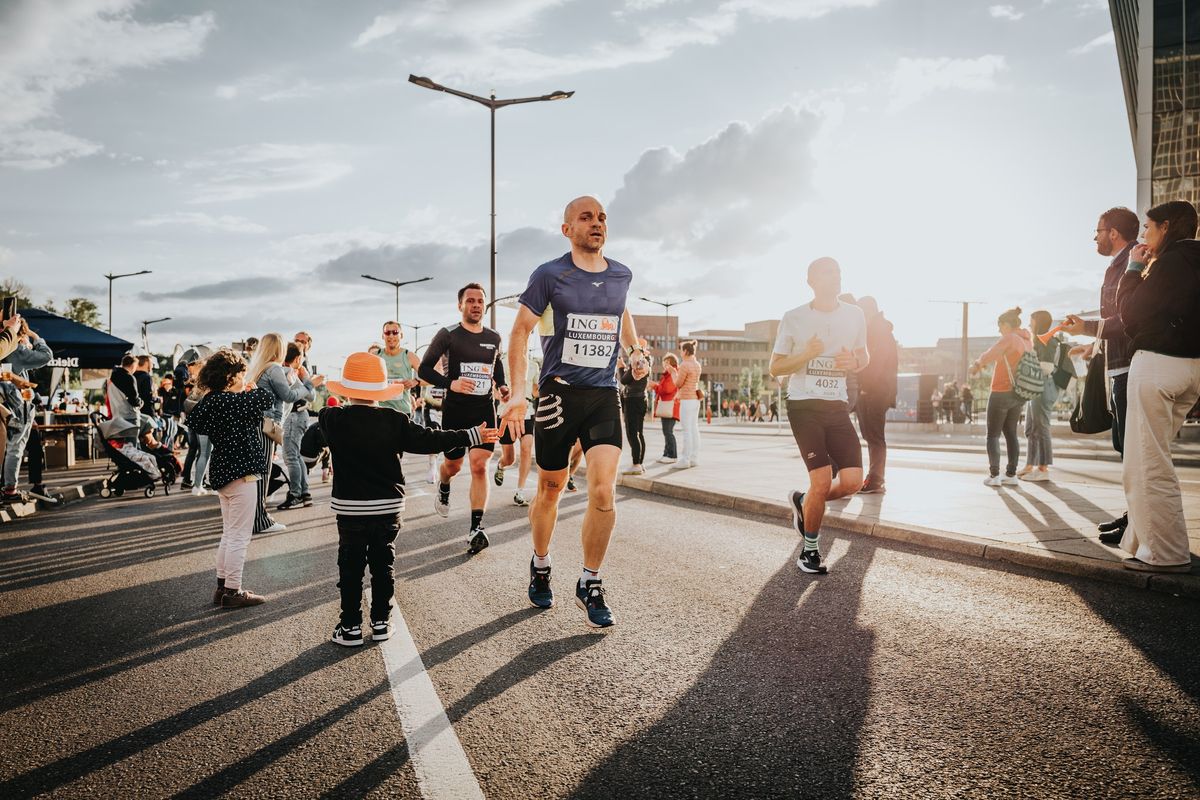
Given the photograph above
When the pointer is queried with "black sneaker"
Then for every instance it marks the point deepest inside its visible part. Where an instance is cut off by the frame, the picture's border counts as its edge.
(810, 562)
(1112, 537)
(306, 498)
(571, 487)
(796, 501)
(347, 635)
(291, 502)
(590, 597)
(479, 541)
(185, 484)
(498, 476)
(1118, 524)
(381, 630)
(540, 593)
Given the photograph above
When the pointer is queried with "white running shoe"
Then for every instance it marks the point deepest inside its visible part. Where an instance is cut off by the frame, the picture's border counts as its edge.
(1010, 480)
(1037, 476)
(199, 491)
(667, 460)
(276, 528)
(994, 480)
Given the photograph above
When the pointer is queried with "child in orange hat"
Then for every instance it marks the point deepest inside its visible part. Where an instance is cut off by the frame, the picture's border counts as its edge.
(367, 441)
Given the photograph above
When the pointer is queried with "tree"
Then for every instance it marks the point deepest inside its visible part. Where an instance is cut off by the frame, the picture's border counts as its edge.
(12, 287)
(83, 311)
(750, 382)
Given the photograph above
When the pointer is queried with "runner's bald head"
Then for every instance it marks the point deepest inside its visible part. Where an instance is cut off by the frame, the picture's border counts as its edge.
(573, 206)
(825, 277)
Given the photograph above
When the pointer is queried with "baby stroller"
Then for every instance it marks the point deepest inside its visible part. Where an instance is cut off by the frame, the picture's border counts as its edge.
(128, 475)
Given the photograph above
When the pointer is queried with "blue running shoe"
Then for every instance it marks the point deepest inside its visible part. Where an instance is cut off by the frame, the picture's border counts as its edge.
(796, 501)
(590, 597)
(540, 593)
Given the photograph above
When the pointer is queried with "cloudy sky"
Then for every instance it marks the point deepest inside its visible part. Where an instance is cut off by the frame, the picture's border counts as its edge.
(259, 157)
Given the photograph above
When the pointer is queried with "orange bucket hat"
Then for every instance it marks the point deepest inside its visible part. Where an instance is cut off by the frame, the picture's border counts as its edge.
(364, 377)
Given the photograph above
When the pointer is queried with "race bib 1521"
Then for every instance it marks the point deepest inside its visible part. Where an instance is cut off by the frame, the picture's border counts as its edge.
(822, 379)
(591, 340)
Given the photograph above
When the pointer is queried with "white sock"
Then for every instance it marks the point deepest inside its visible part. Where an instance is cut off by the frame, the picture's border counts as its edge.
(541, 562)
(588, 575)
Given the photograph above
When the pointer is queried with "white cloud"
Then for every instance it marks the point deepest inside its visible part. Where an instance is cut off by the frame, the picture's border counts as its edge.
(722, 198)
(207, 222)
(48, 48)
(484, 40)
(1103, 40)
(916, 78)
(1005, 12)
(6, 255)
(240, 173)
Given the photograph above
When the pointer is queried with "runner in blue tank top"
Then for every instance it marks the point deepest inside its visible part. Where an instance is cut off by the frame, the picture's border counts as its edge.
(578, 303)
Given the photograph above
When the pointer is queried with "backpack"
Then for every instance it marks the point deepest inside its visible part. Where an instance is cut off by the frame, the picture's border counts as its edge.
(1029, 380)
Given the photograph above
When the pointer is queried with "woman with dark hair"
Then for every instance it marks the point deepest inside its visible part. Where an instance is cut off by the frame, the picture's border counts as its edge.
(1004, 405)
(1037, 415)
(633, 408)
(666, 391)
(1159, 302)
(231, 415)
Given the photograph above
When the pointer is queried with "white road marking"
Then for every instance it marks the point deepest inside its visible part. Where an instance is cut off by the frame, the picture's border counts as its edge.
(437, 756)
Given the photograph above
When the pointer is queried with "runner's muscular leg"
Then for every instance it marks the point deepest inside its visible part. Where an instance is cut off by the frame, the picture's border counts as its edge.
(543, 511)
(526, 459)
(479, 458)
(449, 468)
(507, 456)
(601, 516)
(823, 487)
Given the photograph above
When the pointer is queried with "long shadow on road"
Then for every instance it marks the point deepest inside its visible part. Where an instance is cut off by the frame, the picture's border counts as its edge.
(781, 705)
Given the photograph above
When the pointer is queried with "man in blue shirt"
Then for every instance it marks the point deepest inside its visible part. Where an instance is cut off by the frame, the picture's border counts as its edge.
(578, 303)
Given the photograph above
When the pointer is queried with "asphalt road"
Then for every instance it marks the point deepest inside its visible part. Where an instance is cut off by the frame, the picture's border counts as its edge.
(902, 673)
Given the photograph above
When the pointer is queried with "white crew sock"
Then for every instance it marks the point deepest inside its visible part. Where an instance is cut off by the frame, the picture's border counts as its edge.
(541, 562)
(588, 575)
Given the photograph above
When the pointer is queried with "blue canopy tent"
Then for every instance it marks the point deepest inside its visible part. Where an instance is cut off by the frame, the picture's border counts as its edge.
(75, 346)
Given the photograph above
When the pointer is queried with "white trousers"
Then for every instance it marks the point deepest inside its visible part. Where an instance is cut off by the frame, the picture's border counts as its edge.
(239, 500)
(689, 433)
(1162, 390)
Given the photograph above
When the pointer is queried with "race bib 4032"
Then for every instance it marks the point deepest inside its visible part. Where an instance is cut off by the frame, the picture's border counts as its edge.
(591, 340)
(822, 379)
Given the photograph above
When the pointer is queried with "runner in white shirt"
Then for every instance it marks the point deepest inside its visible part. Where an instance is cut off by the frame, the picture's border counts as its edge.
(818, 344)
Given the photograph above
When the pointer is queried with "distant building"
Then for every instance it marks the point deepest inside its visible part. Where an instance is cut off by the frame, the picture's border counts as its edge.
(945, 358)
(726, 353)
(660, 332)
(1158, 48)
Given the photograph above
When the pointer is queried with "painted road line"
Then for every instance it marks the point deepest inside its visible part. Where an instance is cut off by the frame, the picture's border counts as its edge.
(437, 756)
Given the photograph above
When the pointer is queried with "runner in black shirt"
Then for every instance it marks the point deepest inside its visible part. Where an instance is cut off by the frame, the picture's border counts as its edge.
(473, 374)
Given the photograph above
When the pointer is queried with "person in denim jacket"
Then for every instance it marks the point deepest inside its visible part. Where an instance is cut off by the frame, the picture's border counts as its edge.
(31, 353)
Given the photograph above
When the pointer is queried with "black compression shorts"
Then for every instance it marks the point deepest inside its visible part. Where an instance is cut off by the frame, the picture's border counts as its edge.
(566, 413)
(526, 430)
(457, 416)
(824, 434)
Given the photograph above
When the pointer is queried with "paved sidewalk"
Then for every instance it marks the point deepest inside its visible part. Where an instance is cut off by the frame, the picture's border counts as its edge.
(936, 499)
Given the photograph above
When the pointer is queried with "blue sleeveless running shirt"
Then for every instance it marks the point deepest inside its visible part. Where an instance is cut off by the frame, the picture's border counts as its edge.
(580, 320)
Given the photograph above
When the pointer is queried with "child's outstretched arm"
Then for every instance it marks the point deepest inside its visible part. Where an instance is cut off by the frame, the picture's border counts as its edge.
(412, 438)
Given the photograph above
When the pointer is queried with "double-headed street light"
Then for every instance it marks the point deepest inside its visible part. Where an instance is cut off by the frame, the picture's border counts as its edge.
(146, 323)
(666, 317)
(416, 329)
(112, 278)
(397, 285)
(492, 104)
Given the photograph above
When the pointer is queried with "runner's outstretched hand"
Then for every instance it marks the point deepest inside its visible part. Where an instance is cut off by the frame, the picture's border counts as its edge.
(512, 417)
(488, 435)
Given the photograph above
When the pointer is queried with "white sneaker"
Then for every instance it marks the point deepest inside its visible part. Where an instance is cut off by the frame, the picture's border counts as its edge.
(994, 480)
(636, 469)
(666, 460)
(1037, 476)
(199, 491)
(1010, 480)
(443, 509)
(276, 528)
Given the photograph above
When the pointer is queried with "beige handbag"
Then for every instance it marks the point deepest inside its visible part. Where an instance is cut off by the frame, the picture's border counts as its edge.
(272, 430)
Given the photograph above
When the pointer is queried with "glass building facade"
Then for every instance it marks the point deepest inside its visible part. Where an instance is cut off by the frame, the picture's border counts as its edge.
(1158, 45)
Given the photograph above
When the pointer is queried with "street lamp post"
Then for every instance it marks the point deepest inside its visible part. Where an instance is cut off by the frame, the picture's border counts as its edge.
(146, 323)
(666, 318)
(112, 278)
(416, 329)
(966, 358)
(397, 285)
(492, 104)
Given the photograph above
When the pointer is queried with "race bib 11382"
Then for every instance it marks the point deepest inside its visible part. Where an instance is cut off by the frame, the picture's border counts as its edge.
(591, 340)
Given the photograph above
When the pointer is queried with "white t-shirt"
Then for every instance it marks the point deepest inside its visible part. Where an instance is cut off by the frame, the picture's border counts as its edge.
(844, 327)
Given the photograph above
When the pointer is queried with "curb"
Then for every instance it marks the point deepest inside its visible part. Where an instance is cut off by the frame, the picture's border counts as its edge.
(1180, 585)
(71, 494)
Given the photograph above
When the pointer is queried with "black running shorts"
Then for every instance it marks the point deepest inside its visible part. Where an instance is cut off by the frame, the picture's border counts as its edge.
(527, 430)
(824, 433)
(566, 413)
(457, 416)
